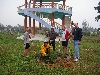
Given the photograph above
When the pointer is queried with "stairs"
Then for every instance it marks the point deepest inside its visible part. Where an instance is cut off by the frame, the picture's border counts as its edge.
(46, 7)
(46, 23)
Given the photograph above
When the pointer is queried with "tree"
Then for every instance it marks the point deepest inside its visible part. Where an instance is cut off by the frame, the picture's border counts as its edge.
(85, 27)
(98, 9)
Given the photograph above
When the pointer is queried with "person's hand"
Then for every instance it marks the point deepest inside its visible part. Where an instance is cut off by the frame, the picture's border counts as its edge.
(79, 43)
(67, 39)
(43, 54)
(31, 40)
(51, 41)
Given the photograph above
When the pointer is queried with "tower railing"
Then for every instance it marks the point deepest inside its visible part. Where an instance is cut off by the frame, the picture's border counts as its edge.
(64, 7)
(48, 5)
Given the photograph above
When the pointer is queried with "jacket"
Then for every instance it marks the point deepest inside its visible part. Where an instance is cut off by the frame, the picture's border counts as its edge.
(65, 35)
(45, 50)
(77, 32)
(52, 36)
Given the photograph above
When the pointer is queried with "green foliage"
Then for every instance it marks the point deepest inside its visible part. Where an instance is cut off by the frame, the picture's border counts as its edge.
(54, 54)
(12, 61)
(98, 9)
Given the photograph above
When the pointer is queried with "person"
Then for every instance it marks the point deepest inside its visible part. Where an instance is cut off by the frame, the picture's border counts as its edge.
(27, 38)
(77, 32)
(65, 37)
(45, 49)
(52, 37)
(47, 33)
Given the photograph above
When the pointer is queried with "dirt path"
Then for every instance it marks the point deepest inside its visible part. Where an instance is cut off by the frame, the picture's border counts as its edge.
(37, 37)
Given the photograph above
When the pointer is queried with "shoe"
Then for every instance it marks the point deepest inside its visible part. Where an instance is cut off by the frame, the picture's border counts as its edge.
(76, 60)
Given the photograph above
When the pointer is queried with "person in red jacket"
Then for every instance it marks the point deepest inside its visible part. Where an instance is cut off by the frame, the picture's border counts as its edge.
(65, 37)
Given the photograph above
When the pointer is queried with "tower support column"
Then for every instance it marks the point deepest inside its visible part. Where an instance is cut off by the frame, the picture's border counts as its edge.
(63, 17)
(25, 19)
(52, 16)
(33, 29)
(40, 23)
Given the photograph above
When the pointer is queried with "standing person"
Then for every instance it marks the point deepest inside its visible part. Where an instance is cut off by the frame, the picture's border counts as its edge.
(77, 32)
(26, 41)
(52, 37)
(65, 37)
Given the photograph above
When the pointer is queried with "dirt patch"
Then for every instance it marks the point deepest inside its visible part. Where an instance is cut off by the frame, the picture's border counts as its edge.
(63, 62)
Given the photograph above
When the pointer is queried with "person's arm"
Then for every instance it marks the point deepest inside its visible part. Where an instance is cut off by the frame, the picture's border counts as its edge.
(60, 32)
(55, 36)
(80, 34)
(24, 39)
(30, 36)
(69, 35)
(49, 48)
(72, 32)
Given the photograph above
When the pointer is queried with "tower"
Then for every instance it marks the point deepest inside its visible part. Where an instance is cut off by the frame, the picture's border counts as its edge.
(48, 9)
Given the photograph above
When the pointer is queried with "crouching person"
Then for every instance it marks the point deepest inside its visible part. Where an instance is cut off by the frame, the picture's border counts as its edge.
(45, 50)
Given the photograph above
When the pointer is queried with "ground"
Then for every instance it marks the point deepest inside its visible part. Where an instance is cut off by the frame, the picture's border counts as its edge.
(12, 61)
(64, 62)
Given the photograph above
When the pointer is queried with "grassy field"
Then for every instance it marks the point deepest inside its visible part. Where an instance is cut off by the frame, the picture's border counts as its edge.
(12, 61)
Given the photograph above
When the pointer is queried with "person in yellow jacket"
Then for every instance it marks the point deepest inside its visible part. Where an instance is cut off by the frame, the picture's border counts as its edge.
(45, 49)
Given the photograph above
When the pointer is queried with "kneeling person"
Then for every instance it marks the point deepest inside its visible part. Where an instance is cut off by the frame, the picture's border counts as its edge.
(45, 49)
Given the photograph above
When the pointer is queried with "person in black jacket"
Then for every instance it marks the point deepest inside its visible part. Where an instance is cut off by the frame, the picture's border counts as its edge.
(52, 37)
(77, 32)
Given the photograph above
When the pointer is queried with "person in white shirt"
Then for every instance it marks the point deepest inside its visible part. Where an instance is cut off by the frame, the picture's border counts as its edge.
(65, 38)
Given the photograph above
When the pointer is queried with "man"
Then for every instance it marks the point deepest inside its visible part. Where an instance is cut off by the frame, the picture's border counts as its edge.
(77, 32)
(52, 37)
(65, 37)
(45, 49)
(26, 41)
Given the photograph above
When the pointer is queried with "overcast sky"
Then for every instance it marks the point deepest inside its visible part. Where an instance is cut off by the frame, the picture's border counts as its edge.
(82, 9)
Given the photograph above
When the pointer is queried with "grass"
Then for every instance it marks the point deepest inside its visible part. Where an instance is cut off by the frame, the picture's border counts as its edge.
(12, 61)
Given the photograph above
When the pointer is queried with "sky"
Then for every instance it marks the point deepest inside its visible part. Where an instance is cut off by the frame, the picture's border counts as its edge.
(82, 9)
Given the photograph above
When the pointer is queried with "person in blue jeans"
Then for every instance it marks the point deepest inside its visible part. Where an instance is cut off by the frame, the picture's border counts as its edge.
(77, 32)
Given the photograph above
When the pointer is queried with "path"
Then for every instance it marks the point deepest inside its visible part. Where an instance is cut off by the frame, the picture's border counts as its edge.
(39, 37)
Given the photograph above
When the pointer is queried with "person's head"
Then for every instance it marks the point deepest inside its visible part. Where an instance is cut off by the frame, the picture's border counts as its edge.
(76, 25)
(45, 43)
(52, 29)
(63, 27)
(46, 31)
(28, 29)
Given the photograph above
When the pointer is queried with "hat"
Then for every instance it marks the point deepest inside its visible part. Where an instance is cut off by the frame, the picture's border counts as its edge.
(45, 41)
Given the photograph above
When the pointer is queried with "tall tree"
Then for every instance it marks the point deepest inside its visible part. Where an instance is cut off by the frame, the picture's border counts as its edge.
(98, 9)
